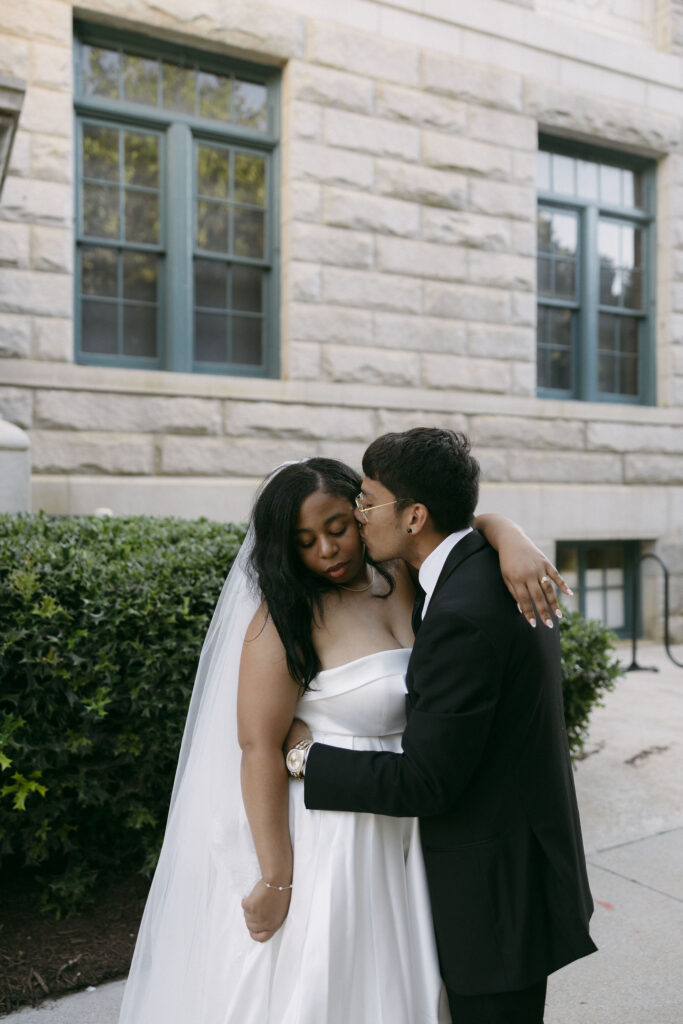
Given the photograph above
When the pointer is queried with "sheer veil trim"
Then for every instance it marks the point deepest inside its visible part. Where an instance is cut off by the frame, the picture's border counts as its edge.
(207, 861)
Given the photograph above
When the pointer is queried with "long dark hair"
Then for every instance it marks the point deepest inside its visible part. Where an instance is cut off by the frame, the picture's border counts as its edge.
(292, 592)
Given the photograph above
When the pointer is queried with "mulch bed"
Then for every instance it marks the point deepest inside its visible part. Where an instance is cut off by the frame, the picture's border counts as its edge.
(41, 957)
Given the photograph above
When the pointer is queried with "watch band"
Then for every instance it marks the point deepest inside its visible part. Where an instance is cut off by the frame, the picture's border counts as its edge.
(296, 758)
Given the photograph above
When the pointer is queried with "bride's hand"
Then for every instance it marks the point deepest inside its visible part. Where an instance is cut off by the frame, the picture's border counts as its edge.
(529, 576)
(265, 911)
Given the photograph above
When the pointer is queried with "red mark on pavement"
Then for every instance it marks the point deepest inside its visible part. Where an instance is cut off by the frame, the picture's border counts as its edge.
(607, 906)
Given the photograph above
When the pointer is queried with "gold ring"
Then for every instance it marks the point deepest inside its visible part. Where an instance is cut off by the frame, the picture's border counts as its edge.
(546, 579)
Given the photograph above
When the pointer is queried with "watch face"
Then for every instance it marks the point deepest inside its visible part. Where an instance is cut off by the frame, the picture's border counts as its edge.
(295, 759)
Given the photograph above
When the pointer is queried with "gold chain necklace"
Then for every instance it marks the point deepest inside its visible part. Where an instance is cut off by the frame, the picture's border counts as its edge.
(353, 590)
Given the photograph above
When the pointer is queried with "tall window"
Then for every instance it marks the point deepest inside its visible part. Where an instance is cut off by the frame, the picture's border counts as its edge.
(601, 575)
(595, 276)
(177, 165)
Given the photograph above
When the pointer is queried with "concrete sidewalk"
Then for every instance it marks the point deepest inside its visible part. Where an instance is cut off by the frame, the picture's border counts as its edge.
(630, 788)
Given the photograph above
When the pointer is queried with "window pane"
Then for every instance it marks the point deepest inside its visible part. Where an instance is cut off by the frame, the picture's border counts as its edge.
(99, 327)
(607, 332)
(177, 86)
(608, 242)
(141, 159)
(615, 609)
(139, 331)
(632, 281)
(246, 340)
(140, 79)
(99, 271)
(544, 231)
(210, 337)
(560, 370)
(250, 179)
(568, 565)
(543, 171)
(628, 375)
(565, 279)
(100, 211)
(142, 217)
(614, 561)
(246, 288)
(212, 226)
(595, 559)
(594, 604)
(249, 105)
(140, 276)
(560, 327)
(610, 184)
(607, 373)
(544, 275)
(249, 233)
(100, 72)
(564, 234)
(214, 96)
(628, 334)
(587, 179)
(100, 152)
(563, 174)
(610, 284)
(213, 172)
(628, 247)
(210, 284)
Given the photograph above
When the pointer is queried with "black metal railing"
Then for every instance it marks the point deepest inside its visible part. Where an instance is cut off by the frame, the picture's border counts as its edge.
(635, 604)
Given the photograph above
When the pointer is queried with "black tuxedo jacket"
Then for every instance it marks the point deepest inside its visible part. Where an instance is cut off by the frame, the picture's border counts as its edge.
(485, 765)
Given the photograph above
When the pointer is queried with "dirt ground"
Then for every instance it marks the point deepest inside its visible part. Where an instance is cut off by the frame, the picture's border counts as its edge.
(40, 956)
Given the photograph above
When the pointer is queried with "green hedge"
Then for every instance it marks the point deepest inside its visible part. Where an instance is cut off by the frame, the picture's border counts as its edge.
(102, 621)
(102, 624)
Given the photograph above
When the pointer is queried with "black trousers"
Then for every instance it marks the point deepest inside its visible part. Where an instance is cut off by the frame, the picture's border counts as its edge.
(525, 1007)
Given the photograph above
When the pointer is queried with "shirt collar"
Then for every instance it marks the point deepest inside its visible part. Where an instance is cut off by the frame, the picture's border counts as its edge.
(430, 570)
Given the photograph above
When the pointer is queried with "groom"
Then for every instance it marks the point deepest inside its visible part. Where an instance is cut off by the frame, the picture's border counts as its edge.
(485, 762)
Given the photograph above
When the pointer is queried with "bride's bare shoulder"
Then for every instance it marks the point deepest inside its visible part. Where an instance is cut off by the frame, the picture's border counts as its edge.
(262, 633)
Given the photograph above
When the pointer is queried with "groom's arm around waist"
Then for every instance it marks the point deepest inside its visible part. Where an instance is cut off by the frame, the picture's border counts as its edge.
(456, 676)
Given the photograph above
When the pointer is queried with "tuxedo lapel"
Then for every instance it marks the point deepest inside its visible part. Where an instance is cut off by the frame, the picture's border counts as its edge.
(469, 545)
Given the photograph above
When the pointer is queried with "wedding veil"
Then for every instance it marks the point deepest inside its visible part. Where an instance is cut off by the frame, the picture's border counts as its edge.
(192, 939)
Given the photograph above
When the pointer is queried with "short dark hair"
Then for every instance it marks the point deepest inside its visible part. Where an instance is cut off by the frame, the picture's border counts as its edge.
(429, 465)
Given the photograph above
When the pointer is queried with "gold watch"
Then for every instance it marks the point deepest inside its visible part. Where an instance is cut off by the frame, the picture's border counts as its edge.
(296, 759)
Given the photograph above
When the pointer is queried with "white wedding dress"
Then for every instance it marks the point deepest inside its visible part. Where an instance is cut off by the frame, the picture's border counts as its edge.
(357, 946)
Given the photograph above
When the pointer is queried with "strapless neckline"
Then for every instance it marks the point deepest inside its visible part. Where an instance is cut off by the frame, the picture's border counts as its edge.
(365, 657)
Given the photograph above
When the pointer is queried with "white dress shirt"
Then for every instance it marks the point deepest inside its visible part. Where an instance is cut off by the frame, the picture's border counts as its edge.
(430, 570)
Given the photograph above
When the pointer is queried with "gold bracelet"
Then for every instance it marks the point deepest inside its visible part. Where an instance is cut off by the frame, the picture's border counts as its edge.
(279, 888)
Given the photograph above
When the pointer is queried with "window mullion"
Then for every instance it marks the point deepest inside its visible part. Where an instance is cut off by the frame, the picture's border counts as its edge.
(587, 356)
(179, 235)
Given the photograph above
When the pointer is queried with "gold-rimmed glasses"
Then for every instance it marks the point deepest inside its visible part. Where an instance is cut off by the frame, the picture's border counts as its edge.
(368, 508)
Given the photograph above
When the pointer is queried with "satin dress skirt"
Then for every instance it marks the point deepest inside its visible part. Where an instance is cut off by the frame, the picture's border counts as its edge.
(358, 944)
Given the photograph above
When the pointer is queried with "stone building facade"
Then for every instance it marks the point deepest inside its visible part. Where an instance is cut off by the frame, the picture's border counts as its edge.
(418, 150)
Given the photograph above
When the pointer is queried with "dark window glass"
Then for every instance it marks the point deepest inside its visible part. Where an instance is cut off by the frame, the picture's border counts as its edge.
(591, 277)
(99, 327)
(601, 576)
(127, 213)
(139, 331)
(246, 340)
(210, 333)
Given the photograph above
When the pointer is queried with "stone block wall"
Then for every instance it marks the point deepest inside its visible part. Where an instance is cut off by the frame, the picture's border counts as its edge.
(408, 262)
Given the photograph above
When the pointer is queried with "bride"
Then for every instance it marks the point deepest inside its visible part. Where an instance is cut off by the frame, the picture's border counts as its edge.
(261, 912)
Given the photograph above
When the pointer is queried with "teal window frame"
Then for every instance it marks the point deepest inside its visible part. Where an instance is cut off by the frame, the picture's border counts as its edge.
(631, 554)
(178, 188)
(584, 357)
